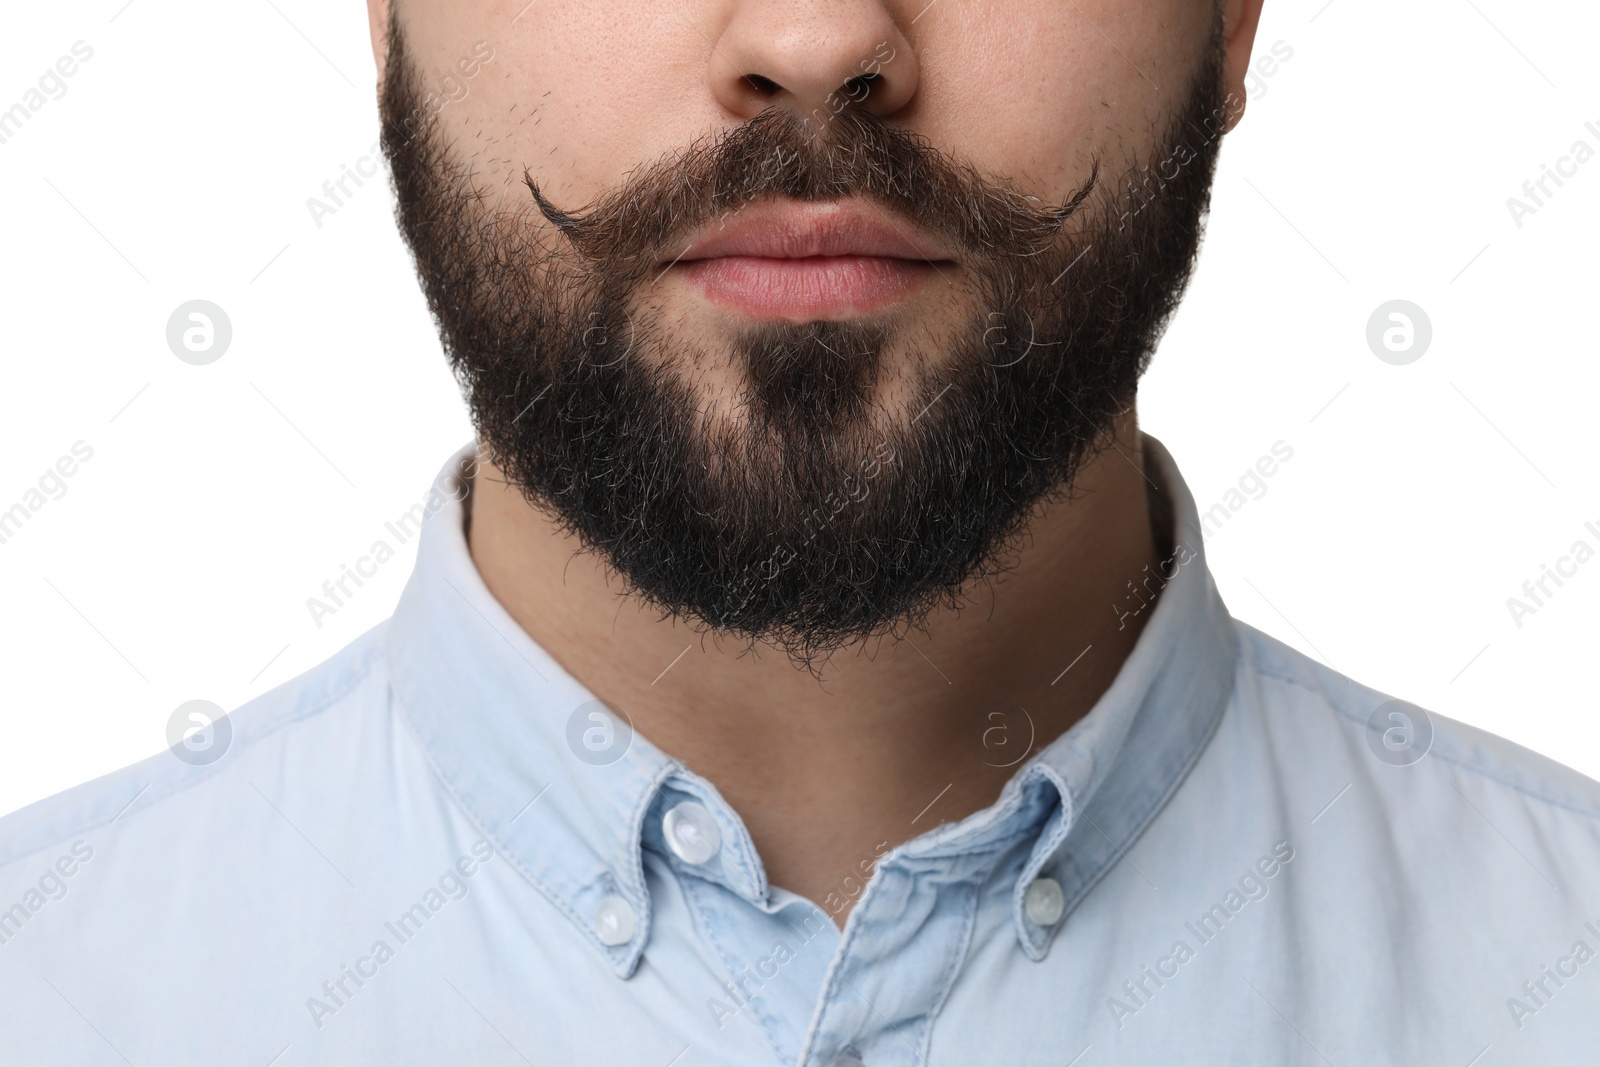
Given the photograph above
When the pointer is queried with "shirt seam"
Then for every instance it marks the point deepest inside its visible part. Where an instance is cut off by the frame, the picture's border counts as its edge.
(1131, 838)
(363, 670)
(636, 863)
(708, 929)
(1481, 772)
(505, 851)
(957, 957)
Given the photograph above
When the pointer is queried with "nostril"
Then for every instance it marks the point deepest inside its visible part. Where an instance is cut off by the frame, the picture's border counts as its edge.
(856, 89)
(764, 86)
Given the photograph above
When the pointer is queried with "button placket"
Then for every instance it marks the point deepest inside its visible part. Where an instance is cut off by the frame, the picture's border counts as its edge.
(900, 951)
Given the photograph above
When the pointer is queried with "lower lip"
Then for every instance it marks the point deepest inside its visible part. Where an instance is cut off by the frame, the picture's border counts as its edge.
(810, 288)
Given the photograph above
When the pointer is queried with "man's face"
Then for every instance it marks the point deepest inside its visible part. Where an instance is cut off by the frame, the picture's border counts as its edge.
(796, 311)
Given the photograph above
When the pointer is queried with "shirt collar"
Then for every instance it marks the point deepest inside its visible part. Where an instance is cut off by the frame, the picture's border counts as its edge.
(1095, 788)
(568, 798)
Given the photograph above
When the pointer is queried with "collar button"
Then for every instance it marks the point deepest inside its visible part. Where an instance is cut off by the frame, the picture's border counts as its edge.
(1044, 902)
(613, 921)
(691, 832)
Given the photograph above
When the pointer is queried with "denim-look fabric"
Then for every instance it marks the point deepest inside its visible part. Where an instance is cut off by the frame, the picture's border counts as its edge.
(434, 849)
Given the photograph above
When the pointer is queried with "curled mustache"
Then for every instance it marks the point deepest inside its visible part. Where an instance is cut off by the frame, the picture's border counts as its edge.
(627, 233)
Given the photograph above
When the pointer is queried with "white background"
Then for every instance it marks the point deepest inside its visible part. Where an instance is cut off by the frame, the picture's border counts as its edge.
(1373, 164)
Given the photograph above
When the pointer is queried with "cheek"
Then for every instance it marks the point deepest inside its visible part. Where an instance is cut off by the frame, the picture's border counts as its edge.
(1038, 91)
(552, 99)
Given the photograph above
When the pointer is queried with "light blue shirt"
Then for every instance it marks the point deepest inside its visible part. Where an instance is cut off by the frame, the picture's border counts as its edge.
(436, 848)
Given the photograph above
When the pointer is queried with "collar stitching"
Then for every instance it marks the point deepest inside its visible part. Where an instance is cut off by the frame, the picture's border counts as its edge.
(1139, 825)
(557, 900)
(744, 854)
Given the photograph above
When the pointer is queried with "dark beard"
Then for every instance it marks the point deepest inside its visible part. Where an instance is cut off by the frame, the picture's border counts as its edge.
(815, 518)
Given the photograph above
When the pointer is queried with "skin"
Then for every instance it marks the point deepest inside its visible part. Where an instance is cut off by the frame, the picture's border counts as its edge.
(891, 740)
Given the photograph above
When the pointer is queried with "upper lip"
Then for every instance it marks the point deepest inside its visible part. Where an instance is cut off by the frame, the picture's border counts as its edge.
(791, 229)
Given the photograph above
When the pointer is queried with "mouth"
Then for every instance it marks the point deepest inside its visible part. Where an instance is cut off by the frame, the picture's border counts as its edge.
(794, 261)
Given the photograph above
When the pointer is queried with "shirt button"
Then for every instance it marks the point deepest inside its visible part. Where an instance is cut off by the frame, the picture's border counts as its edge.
(691, 832)
(1044, 902)
(613, 921)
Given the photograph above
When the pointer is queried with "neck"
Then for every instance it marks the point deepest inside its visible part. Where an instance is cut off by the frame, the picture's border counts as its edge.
(890, 738)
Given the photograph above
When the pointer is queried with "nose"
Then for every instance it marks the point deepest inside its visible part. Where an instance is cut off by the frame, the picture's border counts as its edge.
(815, 57)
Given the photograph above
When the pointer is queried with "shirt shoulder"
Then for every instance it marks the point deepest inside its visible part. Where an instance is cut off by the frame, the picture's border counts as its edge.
(159, 781)
(1290, 689)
